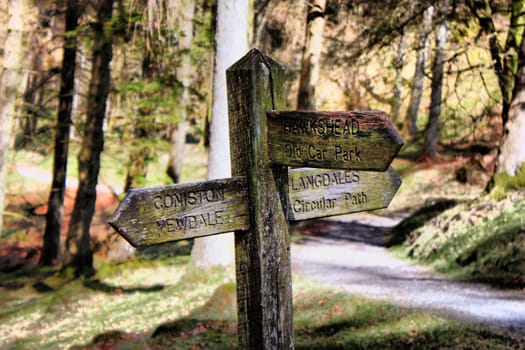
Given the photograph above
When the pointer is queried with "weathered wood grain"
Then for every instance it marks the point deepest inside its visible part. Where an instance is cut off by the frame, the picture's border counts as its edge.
(334, 140)
(264, 285)
(174, 212)
(316, 193)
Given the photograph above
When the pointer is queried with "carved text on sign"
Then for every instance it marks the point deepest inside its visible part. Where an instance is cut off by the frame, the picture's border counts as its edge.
(187, 198)
(160, 214)
(317, 193)
(333, 140)
(310, 152)
(319, 126)
(183, 223)
(323, 179)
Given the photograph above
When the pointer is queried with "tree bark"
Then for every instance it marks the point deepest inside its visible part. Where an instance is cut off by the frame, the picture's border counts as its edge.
(430, 146)
(78, 252)
(33, 94)
(510, 166)
(12, 84)
(419, 74)
(140, 152)
(51, 248)
(313, 48)
(399, 63)
(178, 135)
(231, 42)
(504, 57)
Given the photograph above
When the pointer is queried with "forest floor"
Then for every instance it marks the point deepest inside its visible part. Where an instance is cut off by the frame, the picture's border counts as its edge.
(346, 253)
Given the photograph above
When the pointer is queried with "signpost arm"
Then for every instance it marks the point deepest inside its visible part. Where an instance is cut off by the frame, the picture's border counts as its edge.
(264, 286)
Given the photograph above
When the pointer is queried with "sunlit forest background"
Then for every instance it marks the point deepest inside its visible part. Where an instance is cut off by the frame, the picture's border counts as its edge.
(98, 97)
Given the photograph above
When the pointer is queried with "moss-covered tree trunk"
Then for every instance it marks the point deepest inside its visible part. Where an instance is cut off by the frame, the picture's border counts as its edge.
(78, 252)
(510, 170)
(504, 56)
(51, 247)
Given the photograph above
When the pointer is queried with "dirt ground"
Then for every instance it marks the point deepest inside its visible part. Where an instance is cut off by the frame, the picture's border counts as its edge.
(24, 226)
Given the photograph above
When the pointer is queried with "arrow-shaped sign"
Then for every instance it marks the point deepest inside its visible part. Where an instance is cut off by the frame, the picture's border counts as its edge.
(333, 140)
(315, 193)
(174, 212)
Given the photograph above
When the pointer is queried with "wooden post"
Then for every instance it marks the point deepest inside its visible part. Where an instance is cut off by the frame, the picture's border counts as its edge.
(256, 202)
(264, 287)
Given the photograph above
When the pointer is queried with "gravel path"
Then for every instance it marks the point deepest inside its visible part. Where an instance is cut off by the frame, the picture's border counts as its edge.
(349, 252)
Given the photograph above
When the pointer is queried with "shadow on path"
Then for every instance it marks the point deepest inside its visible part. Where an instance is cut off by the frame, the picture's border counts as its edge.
(95, 284)
(350, 231)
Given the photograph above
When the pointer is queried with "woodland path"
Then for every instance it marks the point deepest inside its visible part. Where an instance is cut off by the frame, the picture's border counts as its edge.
(348, 252)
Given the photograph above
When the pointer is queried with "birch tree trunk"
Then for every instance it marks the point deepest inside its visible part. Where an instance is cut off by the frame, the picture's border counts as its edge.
(12, 81)
(313, 48)
(419, 74)
(78, 253)
(430, 146)
(51, 248)
(231, 43)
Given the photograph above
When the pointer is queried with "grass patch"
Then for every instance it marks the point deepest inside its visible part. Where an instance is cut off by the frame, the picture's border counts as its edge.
(327, 319)
(482, 240)
(131, 298)
(160, 305)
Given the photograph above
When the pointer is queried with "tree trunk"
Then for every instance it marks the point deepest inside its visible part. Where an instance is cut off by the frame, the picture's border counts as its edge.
(399, 63)
(231, 42)
(78, 252)
(510, 170)
(504, 58)
(33, 96)
(177, 140)
(39, 73)
(430, 146)
(140, 152)
(419, 74)
(11, 86)
(51, 248)
(313, 47)
(178, 135)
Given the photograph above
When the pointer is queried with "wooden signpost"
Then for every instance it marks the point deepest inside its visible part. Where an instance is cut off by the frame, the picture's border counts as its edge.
(264, 194)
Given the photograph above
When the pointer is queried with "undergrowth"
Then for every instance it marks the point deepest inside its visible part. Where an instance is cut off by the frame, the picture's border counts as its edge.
(482, 240)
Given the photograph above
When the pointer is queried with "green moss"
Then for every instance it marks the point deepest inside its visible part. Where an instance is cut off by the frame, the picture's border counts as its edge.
(503, 182)
(482, 240)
